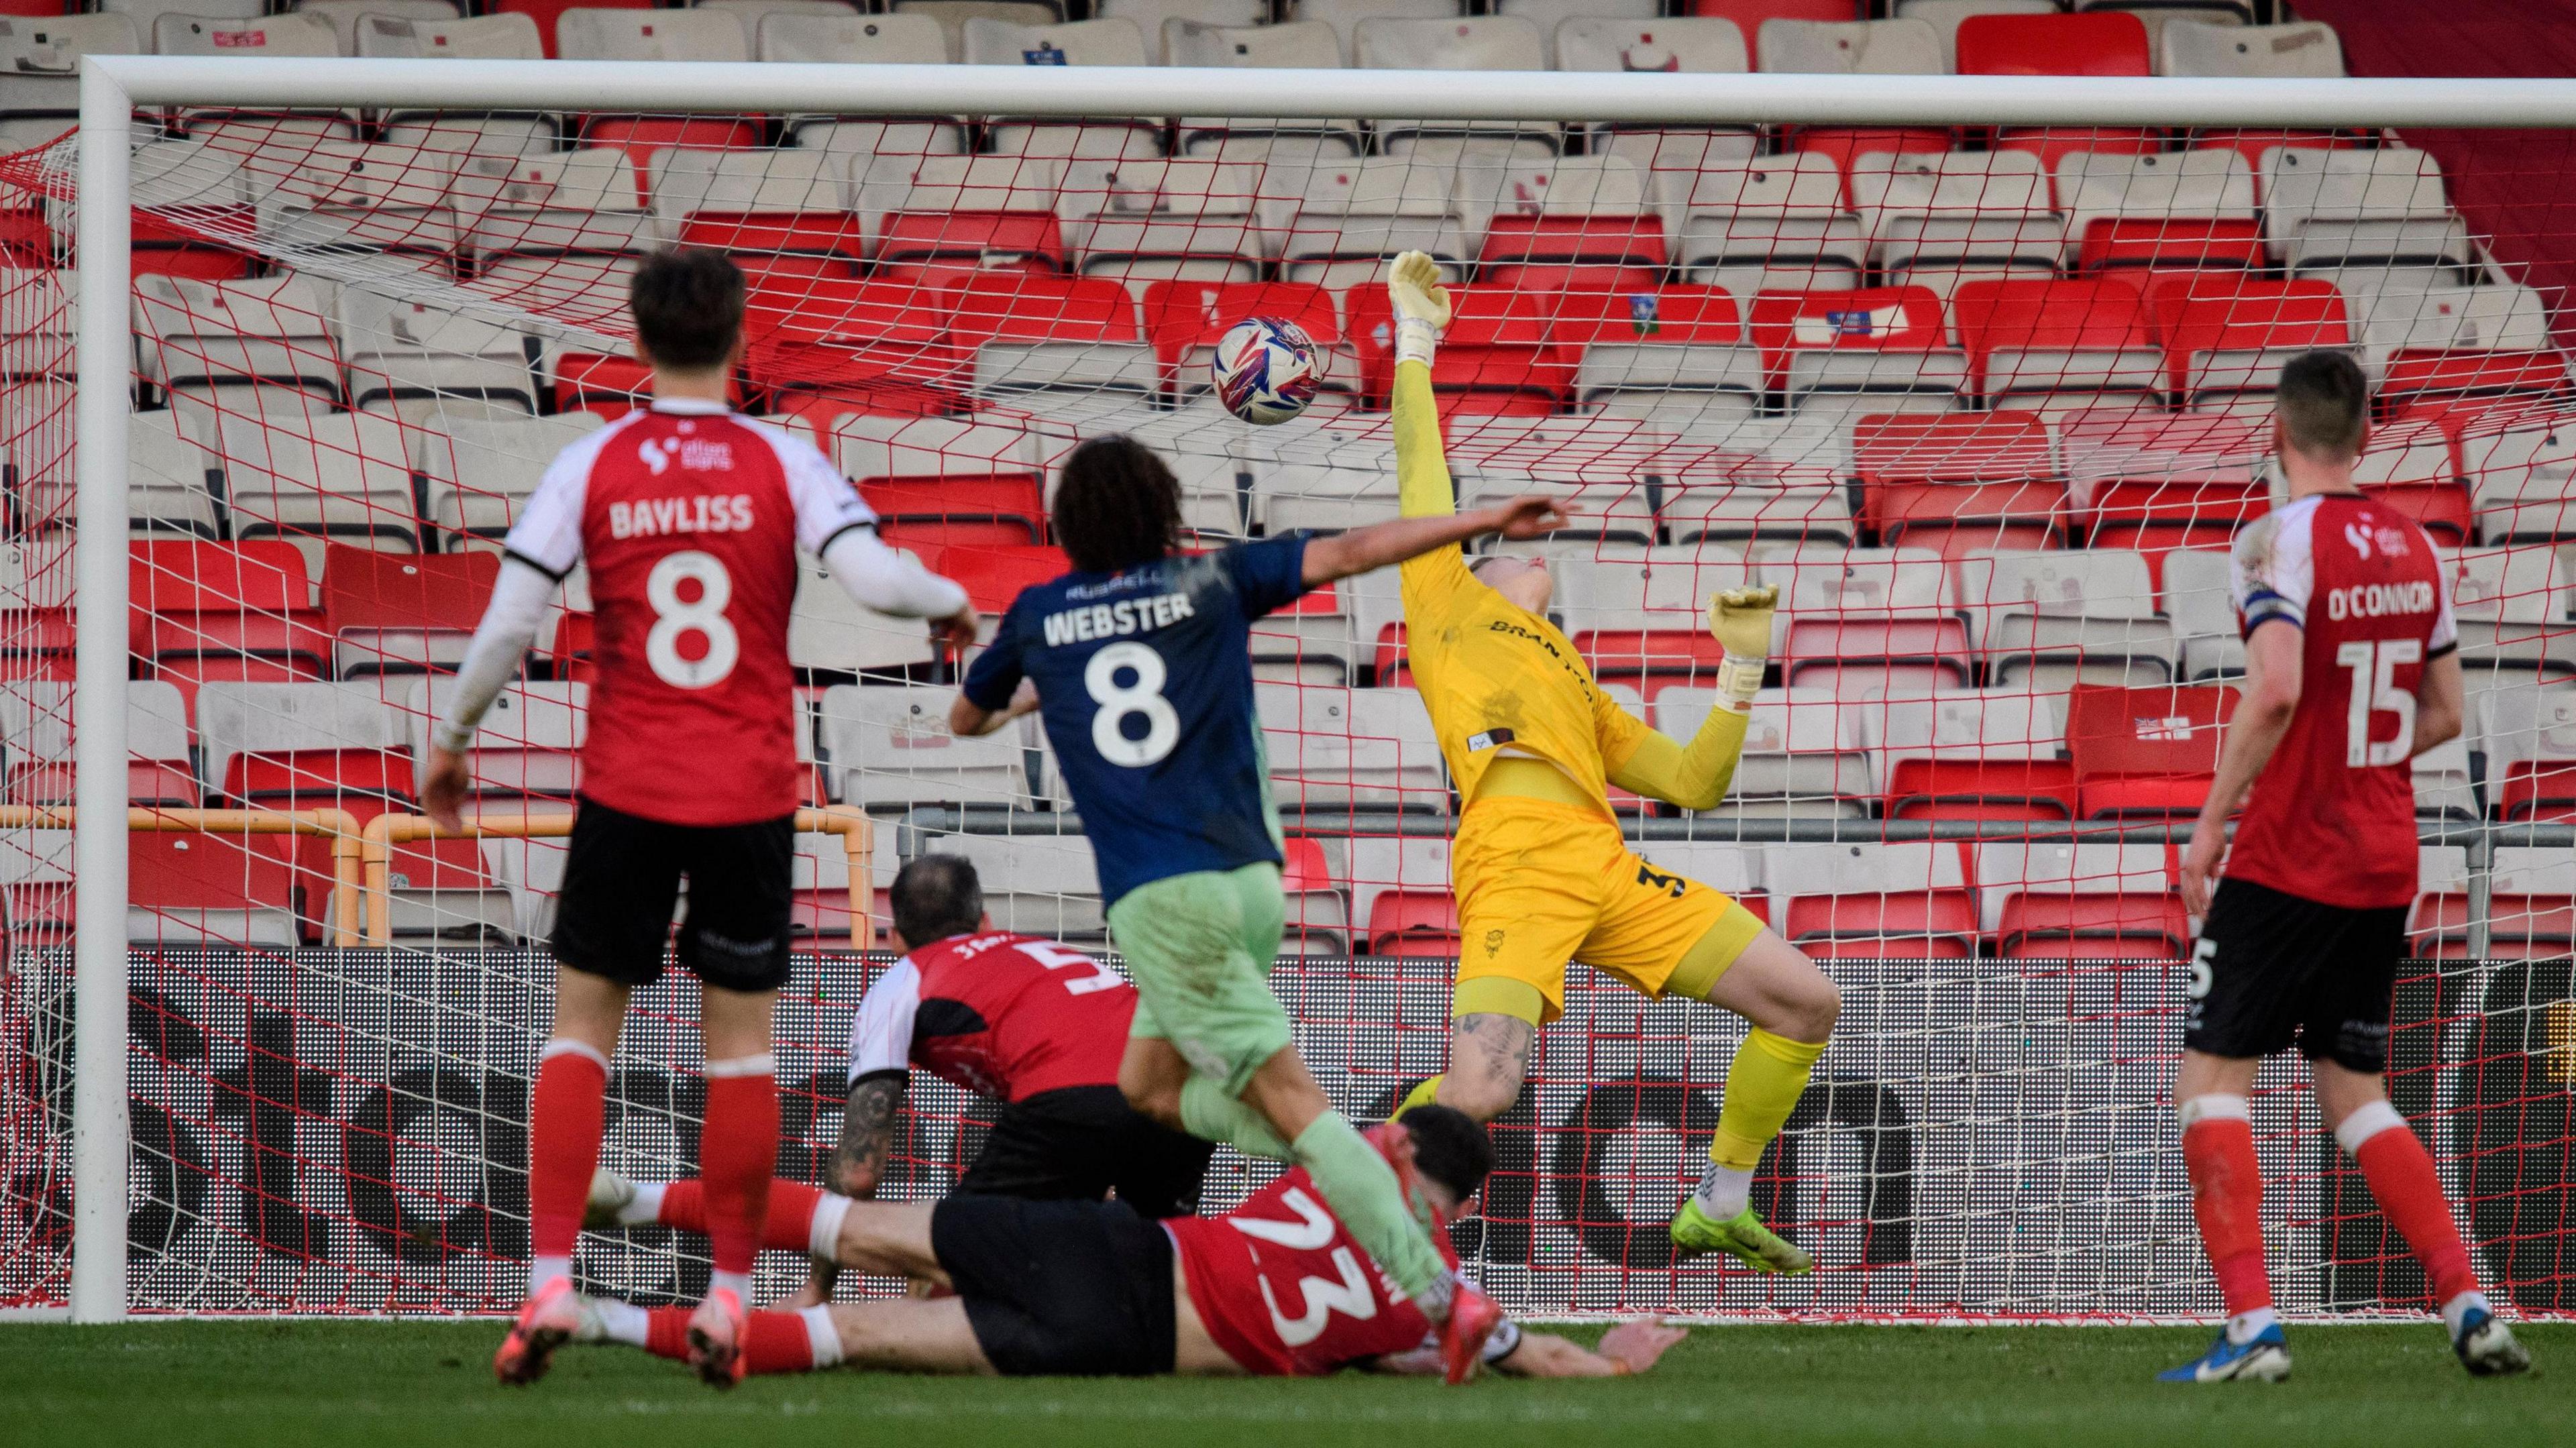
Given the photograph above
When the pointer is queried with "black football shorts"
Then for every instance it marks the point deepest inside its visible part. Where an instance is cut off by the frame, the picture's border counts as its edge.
(1081, 1143)
(2273, 970)
(622, 880)
(1060, 1289)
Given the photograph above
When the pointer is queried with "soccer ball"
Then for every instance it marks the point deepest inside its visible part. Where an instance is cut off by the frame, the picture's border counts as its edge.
(1266, 370)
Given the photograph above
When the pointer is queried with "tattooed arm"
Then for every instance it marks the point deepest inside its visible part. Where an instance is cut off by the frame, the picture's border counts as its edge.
(867, 1134)
(858, 1163)
(1488, 1059)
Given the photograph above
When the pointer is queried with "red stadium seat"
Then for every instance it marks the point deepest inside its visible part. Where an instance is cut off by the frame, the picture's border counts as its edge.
(2159, 481)
(1580, 253)
(2050, 338)
(2096, 42)
(1184, 319)
(36, 643)
(2226, 333)
(982, 510)
(402, 613)
(2169, 244)
(2522, 927)
(935, 247)
(1953, 482)
(1499, 354)
(365, 782)
(2537, 789)
(2413, 374)
(862, 341)
(2128, 926)
(792, 246)
(1869, 319)
(164, 247)
(225, 612)
(2145, 753)
(1932, 924)
(1413, 923)
(25, 239)
(994, 575)
(223, 888)
(1035, 307)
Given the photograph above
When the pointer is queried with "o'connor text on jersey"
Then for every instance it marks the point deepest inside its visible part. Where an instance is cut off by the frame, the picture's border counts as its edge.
(1109, 620)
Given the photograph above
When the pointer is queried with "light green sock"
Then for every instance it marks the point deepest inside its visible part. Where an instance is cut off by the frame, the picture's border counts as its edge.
(1363, 1191)
(1210, 1115)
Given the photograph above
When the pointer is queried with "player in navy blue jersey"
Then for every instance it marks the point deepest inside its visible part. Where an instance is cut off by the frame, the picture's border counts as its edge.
(1142, 675)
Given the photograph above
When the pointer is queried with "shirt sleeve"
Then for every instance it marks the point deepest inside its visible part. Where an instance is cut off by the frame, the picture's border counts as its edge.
(996, 673)
(2272, 573)
(547, 536)
(881, 1033)
(1425, 490)
(827, 504)
(1270, 574)
(2446, 628)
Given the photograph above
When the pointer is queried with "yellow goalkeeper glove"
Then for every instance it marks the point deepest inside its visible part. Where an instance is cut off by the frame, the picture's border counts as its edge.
(1741, 620)
(1421, 305)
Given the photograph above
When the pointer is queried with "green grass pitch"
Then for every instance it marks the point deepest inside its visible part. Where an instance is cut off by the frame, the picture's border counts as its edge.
(198, 1384)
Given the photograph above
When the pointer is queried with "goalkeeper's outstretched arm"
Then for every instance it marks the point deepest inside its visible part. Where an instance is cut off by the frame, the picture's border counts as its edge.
(1695, 776)
(1421, 312)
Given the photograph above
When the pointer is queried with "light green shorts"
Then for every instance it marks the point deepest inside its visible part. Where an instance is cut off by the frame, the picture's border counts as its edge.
(1199, 947)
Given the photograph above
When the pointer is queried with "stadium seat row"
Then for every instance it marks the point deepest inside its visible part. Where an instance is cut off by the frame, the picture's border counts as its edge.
(1385, 895)
(1578, 35)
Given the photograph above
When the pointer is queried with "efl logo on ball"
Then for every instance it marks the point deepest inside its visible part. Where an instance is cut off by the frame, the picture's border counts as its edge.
(1266, 370)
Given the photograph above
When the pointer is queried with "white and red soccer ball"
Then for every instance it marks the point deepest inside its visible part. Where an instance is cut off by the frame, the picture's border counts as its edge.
(1266, 369)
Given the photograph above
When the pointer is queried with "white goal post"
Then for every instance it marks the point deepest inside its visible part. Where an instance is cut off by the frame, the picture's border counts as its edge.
(112, 88)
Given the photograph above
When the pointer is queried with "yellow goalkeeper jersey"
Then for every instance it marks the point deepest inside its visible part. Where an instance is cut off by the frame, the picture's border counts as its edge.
(1496, 677)
(1492, 674)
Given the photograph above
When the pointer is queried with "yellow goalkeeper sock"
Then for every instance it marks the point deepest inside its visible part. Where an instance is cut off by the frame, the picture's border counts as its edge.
(1426, 1094)
(1762, 1088)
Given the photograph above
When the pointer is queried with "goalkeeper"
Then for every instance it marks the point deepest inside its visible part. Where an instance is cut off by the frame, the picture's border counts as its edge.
(1542, 873)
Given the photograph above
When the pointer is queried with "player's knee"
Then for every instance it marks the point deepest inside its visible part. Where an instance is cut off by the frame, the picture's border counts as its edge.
(1483, 1095)
(1812, 1007)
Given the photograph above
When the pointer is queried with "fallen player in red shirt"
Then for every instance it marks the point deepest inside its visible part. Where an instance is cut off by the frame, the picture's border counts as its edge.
(1275, 1287)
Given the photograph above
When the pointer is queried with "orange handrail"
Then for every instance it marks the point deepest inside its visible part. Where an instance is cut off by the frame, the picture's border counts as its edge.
(339, 824)
(857, 832)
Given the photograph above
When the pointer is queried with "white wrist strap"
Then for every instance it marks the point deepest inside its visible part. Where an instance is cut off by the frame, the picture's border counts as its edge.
(1739, 679)
(1415, 340)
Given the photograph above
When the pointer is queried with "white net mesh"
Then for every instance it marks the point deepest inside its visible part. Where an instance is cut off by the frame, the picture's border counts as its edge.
(1988, 405)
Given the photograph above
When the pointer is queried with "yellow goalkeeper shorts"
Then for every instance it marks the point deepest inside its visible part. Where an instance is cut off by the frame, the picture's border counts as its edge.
(1540, 884)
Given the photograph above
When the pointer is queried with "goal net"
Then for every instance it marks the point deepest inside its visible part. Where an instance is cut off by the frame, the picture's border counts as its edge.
(1983, 390)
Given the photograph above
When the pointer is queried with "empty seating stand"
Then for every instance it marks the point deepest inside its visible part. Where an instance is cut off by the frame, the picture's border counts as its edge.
(2145, 753)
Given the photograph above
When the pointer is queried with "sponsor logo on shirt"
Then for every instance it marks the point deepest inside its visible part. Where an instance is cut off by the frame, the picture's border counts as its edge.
(658, 517)
(1110, 620)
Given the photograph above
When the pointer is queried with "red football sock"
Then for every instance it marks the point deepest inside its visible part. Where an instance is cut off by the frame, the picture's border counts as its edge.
(773, 1342)
(2408, 1189)
(788, 1225)
(2227, 1197)
(667, 1333)
(737, 1150)
(776, 1342)
(565, 1118)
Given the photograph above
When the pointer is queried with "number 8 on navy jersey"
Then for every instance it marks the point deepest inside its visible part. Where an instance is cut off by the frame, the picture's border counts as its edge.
(1144, 683)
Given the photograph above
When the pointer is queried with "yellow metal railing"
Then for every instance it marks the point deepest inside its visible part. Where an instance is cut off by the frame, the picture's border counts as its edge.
(340, 825)
(856, 830)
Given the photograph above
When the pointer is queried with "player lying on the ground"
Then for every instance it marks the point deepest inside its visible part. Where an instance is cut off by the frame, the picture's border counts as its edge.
(1542, 871)
(1276, 1287)
(1141, 665)
(1010, 1016)
(2352, 669)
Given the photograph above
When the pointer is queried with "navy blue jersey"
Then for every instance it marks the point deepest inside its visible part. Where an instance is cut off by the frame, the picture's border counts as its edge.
(1145, 686)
